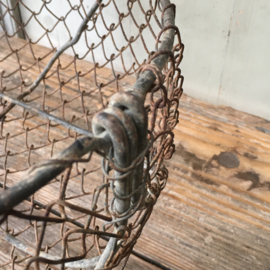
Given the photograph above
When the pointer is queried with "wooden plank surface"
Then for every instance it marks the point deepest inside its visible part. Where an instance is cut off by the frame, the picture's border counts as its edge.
(219, 216)
(215, 210)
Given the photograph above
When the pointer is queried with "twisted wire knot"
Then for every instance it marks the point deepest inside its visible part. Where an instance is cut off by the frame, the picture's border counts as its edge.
(125, 122)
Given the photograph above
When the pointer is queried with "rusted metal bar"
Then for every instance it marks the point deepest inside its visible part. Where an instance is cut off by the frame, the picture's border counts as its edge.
(42, 174)
(113, 126)
(146, 79)
(47, 115)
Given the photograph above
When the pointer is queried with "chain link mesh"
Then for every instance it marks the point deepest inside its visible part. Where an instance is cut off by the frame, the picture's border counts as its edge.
(71, 220)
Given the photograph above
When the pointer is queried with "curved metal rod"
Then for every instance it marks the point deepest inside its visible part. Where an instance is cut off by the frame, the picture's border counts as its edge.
(147, 78)
(134, 108)
(117, 130)
(39, 176)
(140, 89)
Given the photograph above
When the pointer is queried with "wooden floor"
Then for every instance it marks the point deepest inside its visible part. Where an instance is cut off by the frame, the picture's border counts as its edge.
(215, 210)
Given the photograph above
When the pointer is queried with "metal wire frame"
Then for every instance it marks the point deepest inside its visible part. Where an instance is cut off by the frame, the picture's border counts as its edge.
(132, 148)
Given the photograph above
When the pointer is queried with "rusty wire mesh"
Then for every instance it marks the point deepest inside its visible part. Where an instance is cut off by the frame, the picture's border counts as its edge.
(87, 204)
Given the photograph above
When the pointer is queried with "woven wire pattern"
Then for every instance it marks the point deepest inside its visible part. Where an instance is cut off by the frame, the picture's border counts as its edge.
(76, 209)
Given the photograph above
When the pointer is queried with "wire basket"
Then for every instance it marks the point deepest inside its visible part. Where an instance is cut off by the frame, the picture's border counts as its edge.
(83, 140)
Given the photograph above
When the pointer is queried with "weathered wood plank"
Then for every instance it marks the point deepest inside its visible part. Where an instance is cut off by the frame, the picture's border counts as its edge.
(215, 210)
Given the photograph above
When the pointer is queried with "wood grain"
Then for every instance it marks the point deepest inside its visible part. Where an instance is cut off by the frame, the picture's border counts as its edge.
(214, 213)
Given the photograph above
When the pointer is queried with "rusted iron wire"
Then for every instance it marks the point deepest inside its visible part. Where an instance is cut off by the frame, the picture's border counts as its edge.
(103, 186)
